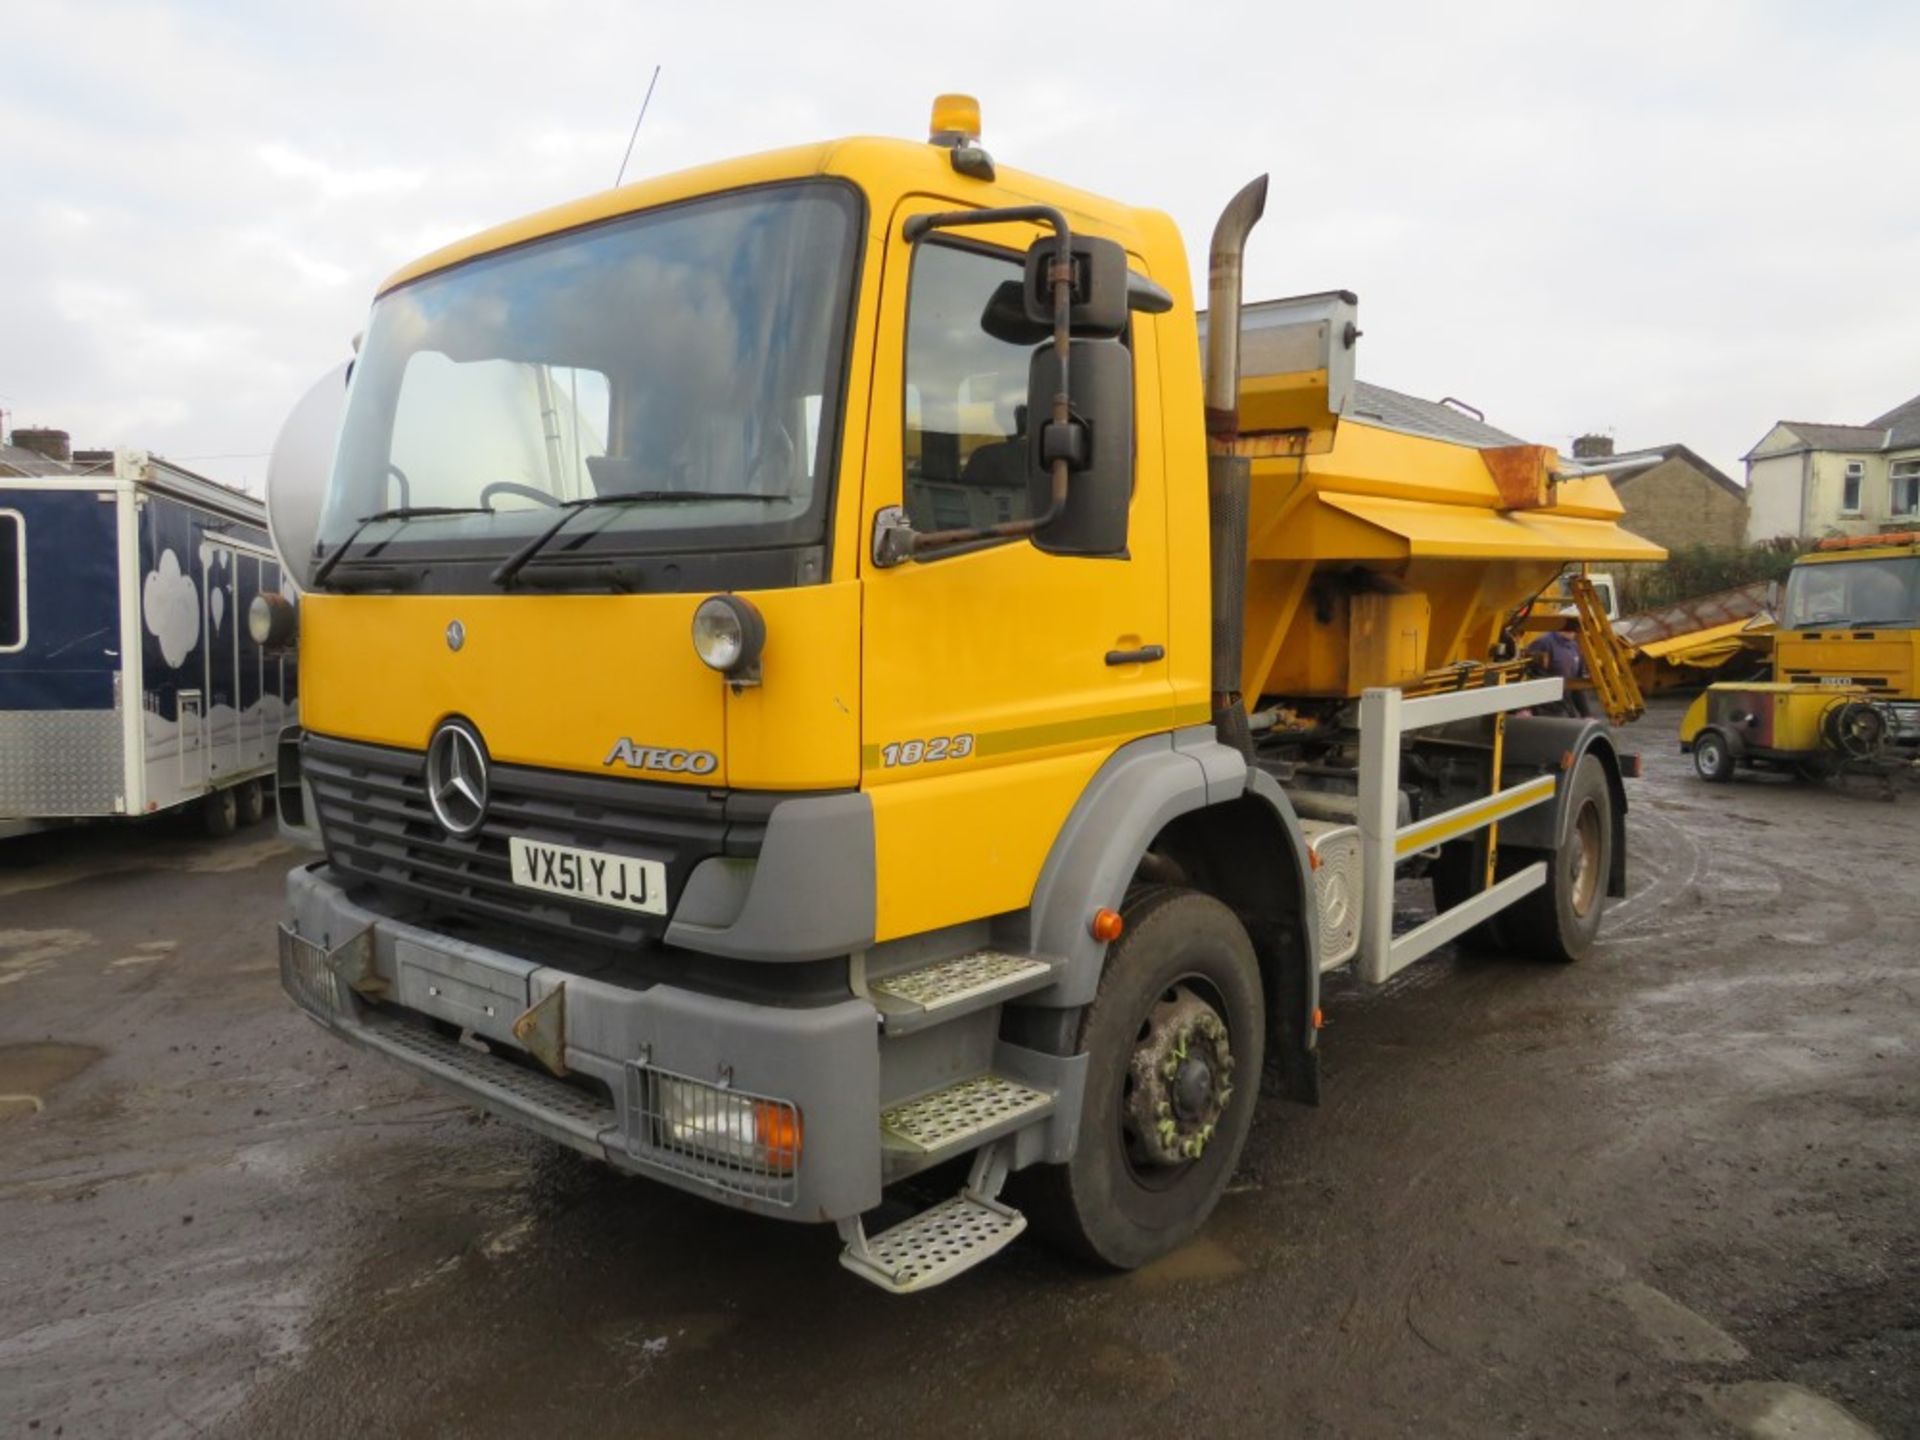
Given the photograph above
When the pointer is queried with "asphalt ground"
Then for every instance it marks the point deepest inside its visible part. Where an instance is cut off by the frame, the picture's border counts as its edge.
(1669, 1191)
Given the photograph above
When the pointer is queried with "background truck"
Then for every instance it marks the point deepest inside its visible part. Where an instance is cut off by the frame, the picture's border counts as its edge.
(808, 680)
(1845, 690)
(129, 681)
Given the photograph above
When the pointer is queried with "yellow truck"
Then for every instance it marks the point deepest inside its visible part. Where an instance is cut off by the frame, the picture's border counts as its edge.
(1845, 692)
(808, 678)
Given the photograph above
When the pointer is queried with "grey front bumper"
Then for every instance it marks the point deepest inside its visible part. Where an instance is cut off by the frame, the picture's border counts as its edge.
(822, 1060)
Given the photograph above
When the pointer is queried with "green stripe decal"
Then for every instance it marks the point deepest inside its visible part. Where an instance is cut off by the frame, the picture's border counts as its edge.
(1065, 732)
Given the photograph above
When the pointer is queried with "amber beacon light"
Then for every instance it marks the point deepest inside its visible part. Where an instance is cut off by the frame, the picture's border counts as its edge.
(956, 120)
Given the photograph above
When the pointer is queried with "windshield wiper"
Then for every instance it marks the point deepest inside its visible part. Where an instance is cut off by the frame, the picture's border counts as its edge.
(511, 566)
(402, 512)
(1895, 622)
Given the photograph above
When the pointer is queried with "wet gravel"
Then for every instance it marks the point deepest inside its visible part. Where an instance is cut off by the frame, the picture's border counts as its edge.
(1667, 1192)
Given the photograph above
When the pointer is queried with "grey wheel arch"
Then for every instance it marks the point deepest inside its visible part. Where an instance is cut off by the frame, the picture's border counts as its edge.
(1554, 744)
(1201, 796)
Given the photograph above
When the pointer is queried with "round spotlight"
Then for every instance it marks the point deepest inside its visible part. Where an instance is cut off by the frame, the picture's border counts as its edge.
(272, 621)
(727, 636)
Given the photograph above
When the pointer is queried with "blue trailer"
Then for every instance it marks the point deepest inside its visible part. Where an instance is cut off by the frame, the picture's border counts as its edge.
(129, 681)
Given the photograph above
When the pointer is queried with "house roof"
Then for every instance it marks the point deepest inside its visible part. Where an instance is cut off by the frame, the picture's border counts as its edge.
(1902, 424)
(1658, 455)
(1414, 416)
(1895, 430)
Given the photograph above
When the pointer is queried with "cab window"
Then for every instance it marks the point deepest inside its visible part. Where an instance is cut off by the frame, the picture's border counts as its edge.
(966, 400)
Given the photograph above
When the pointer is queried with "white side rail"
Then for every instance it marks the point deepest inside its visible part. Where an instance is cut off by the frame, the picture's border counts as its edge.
(1386, 715)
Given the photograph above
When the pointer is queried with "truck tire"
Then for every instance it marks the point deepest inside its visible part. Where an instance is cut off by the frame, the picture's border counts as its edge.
(219, 815)
(1713, 757)
(1175, 1039)
(1561, 920)
(250, 801)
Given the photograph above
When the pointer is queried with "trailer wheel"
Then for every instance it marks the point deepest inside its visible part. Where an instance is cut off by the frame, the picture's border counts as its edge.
(1175, 1040)
(219, 814)
(1561, 920)
(1712, 756)
(250, 801)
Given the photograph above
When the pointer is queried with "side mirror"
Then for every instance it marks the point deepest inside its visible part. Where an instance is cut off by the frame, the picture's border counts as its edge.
(299, 470)
(1100, 487)
(1100, 285)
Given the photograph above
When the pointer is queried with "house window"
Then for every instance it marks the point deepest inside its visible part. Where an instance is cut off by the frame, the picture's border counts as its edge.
(1904, 480)
(13, 582)
(1850, 491)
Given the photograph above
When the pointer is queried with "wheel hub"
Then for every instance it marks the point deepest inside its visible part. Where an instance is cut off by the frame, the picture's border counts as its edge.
(1182, 1078)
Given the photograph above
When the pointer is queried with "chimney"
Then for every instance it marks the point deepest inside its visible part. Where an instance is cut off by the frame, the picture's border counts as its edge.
(1593, 447)
(53, 444)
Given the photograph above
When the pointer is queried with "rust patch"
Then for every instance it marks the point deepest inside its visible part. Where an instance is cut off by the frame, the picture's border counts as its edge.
(1522, 474)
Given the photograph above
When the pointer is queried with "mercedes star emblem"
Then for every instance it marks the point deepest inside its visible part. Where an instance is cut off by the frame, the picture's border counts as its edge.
(457, 779)
(456, 635)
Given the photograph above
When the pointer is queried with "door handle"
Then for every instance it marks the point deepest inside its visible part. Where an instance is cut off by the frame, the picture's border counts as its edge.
(1146, 654)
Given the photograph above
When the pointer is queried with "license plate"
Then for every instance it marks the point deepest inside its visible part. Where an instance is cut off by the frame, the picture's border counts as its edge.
(618, 881)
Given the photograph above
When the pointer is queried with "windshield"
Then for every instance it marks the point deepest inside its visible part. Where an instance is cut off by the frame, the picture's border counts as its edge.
(1883, 592)
(688, 351)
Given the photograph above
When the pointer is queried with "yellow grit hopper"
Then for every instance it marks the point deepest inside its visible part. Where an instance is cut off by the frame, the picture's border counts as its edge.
(1389, 536)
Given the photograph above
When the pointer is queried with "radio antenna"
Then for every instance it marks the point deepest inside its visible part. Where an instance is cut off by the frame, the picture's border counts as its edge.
(645, 101)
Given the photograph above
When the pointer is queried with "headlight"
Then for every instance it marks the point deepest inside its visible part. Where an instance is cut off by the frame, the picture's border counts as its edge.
(748, 1131)
(728, 634)
(272, 621)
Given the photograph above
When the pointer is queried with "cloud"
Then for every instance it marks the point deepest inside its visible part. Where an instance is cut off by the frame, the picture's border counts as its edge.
(1678, 221)
(171, 605)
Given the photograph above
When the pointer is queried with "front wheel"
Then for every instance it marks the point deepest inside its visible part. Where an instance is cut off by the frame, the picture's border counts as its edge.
(1175, 1039)
(1712, 757)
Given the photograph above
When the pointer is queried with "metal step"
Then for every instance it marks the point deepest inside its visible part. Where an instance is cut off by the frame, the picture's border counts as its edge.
(927, 994)
(932, 1247)
(962, 1116)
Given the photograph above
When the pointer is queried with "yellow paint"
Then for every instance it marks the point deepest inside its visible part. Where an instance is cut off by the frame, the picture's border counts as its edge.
(549, 680)
(799, 729)
(955, 846)
(1880, 657)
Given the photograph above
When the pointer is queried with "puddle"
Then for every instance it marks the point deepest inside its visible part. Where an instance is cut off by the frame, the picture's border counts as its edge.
(28, 1072)
(1774, 1410)
(1201, 1259)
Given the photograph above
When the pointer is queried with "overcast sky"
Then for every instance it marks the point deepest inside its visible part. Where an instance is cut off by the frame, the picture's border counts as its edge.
(1668, 222)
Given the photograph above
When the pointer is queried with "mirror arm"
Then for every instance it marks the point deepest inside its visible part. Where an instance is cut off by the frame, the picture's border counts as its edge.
(905, 545)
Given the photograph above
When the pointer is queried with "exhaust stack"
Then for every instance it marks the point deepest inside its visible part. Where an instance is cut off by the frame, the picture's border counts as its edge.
(1229, 476)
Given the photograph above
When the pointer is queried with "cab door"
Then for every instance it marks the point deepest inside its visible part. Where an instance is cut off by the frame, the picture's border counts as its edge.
(996, 678)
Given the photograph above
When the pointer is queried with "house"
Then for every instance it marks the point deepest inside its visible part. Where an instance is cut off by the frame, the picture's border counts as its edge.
(1810, 481)
(1674, 498)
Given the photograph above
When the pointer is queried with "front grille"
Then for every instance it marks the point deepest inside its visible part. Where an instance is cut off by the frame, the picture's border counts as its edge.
(371, 804)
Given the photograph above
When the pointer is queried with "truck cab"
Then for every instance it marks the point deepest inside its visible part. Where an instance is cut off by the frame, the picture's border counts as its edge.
(768, 716)
(1845, 692)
